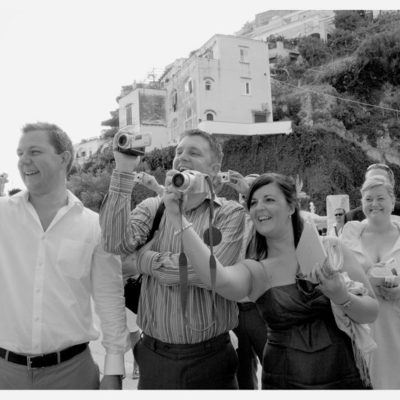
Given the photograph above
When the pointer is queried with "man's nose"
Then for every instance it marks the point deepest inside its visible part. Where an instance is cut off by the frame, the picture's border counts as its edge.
(24, 159)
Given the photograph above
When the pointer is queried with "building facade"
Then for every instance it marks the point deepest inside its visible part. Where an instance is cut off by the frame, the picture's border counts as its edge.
(224, 88)
(142, 110)
(290, 24)
(86, 148)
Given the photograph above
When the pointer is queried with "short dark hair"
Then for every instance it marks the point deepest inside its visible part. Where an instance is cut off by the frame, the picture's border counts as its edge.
(287, 186)
(216, 148)
(57, 138)
(382, 167)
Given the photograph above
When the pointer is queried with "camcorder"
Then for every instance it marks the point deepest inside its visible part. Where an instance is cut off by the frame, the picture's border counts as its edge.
(189, 180)
(131, 144)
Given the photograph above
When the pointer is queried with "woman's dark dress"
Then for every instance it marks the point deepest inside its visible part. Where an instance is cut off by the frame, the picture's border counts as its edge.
(305, 348)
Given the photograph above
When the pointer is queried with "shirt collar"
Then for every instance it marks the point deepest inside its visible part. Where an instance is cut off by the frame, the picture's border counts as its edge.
(23, 196)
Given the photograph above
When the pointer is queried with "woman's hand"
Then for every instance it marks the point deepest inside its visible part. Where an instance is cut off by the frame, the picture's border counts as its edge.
(331, 283)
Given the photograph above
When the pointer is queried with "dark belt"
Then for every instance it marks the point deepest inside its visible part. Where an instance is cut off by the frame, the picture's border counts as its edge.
(210, 344)
(44, 360)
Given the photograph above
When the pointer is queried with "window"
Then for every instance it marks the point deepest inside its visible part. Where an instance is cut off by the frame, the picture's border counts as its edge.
(260, 117)
(208, 82)
(244, 54)
(188, 87)
(174, 100)
(128, 114)
(210, 114)
(188, 113)
(246, 87)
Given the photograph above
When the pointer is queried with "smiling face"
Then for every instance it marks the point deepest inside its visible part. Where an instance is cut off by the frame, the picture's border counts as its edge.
(270, 211)
(377, 203)
(41, 168)
(194, 153)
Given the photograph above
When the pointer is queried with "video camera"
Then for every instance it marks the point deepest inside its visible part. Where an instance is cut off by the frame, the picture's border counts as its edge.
(131, 144)
(192, 181)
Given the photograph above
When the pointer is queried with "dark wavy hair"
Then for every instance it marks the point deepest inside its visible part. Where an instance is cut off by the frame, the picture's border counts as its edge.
(287, 186)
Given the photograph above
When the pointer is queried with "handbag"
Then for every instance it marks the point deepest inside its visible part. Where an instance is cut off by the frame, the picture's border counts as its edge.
(134, 283)
(132, 293)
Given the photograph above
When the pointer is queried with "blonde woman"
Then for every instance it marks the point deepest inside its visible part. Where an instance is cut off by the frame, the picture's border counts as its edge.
(375, 241)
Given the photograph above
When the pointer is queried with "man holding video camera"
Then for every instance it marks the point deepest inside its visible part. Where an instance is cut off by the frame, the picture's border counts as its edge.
(175, 353)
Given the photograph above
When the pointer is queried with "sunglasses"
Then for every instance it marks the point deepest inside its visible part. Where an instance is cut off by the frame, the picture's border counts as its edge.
(339, 215)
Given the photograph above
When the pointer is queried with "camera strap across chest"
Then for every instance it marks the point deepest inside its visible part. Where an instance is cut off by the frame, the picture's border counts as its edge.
(212, 237)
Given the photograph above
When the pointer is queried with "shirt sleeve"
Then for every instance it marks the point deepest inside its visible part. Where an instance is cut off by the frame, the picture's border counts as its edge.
(165, 268)
(235, 234)
(123, 230)
(109, 303)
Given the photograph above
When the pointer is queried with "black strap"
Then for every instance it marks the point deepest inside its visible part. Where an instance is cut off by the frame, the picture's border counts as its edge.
(157, 220)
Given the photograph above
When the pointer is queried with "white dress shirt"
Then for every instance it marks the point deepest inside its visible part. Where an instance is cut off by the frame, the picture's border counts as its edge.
(49, 278)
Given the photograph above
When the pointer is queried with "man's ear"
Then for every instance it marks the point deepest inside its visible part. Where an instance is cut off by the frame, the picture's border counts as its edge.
(65, 158)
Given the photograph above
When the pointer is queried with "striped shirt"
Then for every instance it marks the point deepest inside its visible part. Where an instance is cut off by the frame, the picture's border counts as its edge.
(160, 314)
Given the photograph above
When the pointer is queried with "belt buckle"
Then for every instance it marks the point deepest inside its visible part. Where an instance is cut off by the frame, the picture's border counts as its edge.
(30, 360)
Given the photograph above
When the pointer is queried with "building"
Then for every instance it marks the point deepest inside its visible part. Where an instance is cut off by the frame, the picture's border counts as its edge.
(142, 110)
(86, 148)
(224, 88)
(290, 24)
(282, 49)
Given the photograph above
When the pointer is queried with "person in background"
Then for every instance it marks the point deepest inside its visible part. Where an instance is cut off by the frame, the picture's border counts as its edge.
(52, 266)
(177, 352)
(305, 348)
(3, 181)
(340, 220)
(384, 170)
(376, 243)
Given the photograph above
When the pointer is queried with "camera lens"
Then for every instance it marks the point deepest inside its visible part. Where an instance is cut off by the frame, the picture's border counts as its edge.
(122, 140)
(178, 180)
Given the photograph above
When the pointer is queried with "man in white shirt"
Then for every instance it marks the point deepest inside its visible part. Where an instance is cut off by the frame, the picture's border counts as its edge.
(52, 265)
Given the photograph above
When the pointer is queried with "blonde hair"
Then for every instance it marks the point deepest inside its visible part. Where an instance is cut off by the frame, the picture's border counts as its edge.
(375, 181)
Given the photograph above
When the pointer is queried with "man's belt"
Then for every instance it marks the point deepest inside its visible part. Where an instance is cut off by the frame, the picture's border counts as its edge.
(43, 360)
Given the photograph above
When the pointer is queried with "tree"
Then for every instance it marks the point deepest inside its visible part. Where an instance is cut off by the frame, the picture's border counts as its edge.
(313, 50)
(350, 19)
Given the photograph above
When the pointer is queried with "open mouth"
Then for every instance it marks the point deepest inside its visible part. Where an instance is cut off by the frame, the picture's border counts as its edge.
(31, 173)
(263, 218)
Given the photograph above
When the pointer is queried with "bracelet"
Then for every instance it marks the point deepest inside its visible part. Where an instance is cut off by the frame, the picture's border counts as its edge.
(183, 229)
(346, 304)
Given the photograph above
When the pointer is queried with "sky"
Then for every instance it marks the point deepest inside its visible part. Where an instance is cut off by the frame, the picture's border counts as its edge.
(65, 61)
